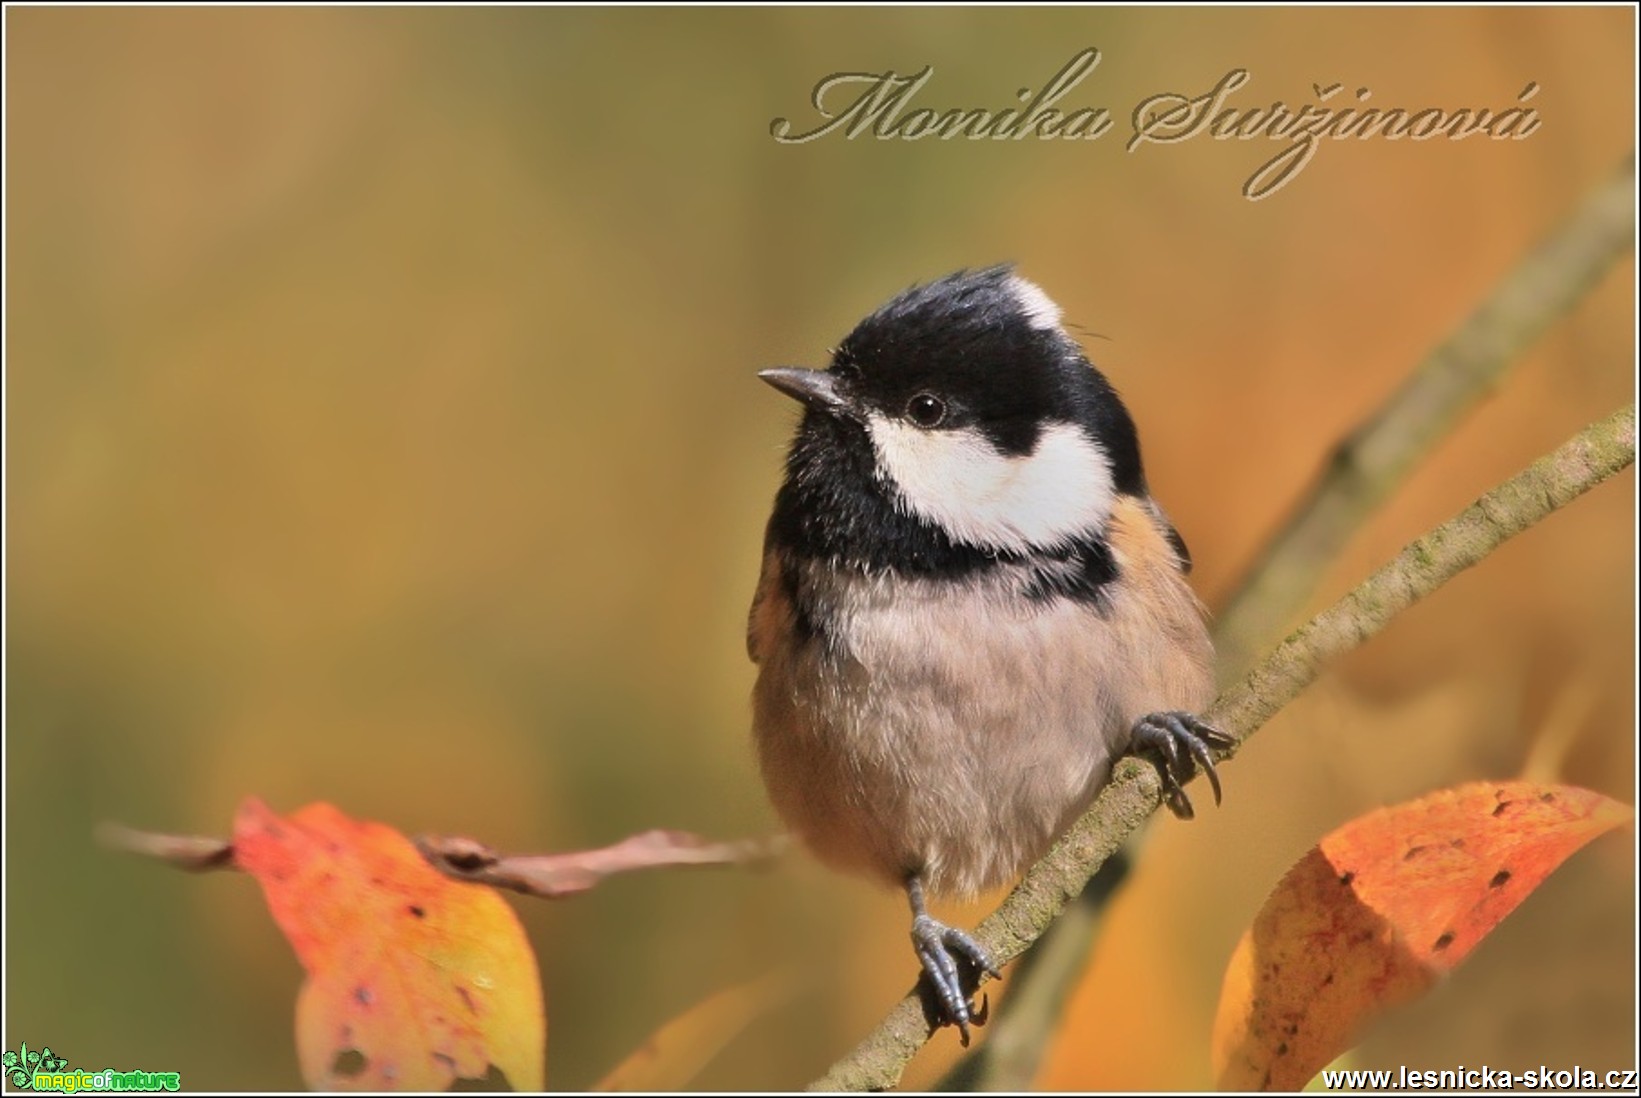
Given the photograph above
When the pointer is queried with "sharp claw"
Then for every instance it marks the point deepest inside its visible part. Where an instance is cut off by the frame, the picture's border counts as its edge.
(1184, 744)
(979, 1018)
(1205, 759)
(939, 949)
(1208, 734)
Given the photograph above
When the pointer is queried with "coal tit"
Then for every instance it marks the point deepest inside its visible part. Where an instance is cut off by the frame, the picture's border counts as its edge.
(969, 605)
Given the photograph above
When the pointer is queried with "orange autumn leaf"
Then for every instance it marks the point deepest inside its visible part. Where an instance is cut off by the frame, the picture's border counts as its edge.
(414, 981)
(1378, 911)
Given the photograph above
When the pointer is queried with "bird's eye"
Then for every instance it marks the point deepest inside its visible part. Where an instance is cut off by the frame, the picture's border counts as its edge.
(926, 410)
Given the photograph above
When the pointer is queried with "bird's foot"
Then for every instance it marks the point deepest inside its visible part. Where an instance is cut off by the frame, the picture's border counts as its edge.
(940, 948)
(1182, 743)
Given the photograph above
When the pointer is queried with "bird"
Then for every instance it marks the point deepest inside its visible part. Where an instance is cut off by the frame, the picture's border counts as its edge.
(969, 607)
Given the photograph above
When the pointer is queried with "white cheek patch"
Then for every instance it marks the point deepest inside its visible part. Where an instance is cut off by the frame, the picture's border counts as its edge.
(1040, 310)
(960, 482)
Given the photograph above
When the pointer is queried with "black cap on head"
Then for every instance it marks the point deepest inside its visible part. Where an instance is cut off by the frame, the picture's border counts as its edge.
(990, 345)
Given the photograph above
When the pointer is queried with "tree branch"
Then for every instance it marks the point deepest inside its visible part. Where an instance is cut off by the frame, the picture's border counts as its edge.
(1553, 481)
(1295, 556)
(1377, 456)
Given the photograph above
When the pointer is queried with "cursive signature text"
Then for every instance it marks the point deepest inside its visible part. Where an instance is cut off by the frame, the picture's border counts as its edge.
(882, 105)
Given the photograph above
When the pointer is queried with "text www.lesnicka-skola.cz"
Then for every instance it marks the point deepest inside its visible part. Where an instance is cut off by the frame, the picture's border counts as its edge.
(1482, 1078)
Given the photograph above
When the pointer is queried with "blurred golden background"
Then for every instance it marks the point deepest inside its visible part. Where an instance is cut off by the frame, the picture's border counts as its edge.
(383, 429)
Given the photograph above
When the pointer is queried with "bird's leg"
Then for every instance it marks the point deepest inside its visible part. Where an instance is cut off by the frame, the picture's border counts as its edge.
(1181, 743)
(939, 947)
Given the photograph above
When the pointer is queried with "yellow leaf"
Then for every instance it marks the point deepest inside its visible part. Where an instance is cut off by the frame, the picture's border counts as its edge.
(674, 1054)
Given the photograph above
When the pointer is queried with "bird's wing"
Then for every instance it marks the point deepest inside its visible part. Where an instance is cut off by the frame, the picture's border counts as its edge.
(756, 617)
(1181, 550)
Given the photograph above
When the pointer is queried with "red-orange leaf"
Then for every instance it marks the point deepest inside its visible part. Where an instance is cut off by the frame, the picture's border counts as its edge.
(414, 980)
(1381, 908)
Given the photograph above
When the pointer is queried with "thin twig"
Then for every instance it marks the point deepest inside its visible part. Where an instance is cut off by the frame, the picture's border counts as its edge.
(1550, 483)
(1378, 455)
(554, 876)
(545, 876)
(194, 853)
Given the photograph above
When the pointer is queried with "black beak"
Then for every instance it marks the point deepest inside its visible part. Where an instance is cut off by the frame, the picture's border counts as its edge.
(816, 388)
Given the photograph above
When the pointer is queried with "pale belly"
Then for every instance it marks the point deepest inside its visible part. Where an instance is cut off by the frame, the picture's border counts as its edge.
(956, 741)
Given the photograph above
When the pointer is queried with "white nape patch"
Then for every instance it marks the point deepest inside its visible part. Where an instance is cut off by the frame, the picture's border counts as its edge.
(1039, 308)
(979, 496)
